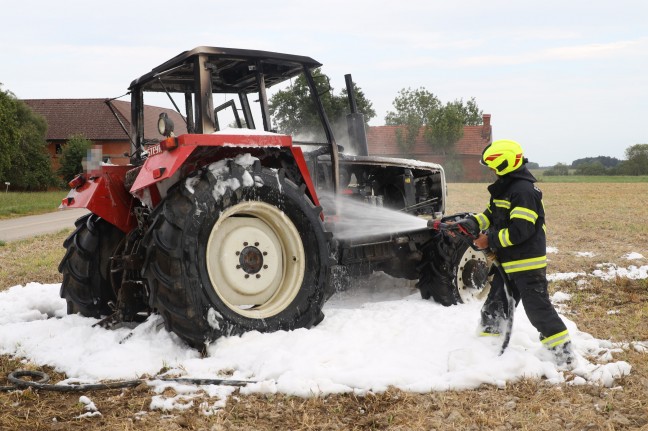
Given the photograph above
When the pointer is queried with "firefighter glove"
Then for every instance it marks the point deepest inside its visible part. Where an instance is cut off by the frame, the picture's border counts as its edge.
(469, 226)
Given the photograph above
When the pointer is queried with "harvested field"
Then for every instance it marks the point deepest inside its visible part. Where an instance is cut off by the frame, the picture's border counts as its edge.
(589, 224)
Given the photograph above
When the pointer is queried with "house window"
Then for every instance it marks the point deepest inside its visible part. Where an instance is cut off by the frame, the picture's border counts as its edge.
(58, 149)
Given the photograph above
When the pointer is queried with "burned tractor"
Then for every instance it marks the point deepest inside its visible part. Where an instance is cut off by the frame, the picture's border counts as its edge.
(226, 226)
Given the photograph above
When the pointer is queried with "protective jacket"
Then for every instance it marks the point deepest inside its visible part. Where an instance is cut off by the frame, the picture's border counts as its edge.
(515, 223)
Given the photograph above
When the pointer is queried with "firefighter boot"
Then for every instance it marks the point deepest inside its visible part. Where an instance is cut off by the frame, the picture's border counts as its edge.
(564, 355)
(560, 345)
(492, 320)
(491, 326)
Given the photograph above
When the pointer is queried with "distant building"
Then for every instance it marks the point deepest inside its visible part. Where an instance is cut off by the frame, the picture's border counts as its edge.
(105, 123)
(381, 141)
(101, 121)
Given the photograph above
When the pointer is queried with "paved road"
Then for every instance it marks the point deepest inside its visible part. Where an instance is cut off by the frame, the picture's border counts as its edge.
(25, 227)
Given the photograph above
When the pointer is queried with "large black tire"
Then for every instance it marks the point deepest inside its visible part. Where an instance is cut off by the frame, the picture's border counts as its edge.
(236, 249)
(86, 267)
(452, 272)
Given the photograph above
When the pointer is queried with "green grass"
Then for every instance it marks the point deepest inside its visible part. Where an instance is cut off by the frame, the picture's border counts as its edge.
(16, 204)
(571, 178)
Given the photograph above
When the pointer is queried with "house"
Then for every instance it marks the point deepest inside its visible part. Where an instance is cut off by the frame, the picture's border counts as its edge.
(382, 141)
(102, 121)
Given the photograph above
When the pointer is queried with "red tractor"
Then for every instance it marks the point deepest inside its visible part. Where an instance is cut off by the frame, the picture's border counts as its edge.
(223, 230)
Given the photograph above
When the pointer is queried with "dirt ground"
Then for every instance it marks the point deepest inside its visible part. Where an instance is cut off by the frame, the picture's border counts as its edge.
(605, 219)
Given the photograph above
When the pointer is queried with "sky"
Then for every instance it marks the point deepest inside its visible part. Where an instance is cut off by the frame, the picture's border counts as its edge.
(377, 334)
(565, 79)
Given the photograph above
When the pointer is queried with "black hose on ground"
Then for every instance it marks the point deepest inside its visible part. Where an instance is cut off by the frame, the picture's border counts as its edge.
(19, 383)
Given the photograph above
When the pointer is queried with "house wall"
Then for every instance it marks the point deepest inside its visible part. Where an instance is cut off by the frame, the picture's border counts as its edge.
(113, 149)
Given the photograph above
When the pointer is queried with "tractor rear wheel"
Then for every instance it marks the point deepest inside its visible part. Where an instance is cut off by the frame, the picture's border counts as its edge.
(452, 272)
(236, 249)
(85, 267)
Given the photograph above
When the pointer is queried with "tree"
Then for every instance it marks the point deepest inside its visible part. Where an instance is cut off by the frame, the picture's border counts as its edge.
(559, 169)
(445, 128)
(294, 111)
(412, 110)
(442, 124)
(472, 115)
(533, 165)
(608, 162)
(72, 155)
(637, 160)
(8, 132)
(591, 168)
(23, 157)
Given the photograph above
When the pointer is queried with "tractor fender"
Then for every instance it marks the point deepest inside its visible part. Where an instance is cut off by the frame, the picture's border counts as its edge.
(106, 196)
(175, 157)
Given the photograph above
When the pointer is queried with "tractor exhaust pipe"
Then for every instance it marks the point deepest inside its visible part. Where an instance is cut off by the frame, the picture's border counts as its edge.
(355, 122)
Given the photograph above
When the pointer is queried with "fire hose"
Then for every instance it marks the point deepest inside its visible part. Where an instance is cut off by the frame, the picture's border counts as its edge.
(457, 229)
(18, 381)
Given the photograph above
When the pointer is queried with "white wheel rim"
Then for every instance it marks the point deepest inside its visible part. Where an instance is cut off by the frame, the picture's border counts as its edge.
(255, 259)
(471, 289)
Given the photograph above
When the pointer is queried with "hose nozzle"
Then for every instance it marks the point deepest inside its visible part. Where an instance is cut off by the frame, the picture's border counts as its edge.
(434, 224)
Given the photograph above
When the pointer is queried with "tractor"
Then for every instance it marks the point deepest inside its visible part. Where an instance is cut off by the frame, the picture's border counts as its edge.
(221, 224)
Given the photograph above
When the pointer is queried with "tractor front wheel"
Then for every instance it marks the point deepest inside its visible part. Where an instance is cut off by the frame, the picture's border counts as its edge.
(452, 272)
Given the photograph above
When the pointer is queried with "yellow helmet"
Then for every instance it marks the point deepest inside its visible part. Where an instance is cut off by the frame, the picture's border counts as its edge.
(503, 156)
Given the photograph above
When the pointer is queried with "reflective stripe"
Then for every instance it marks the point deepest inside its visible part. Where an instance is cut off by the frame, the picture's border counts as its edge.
(483, 221)
(544, 228)
(500, 203)
(504, 239)
(556, 339)
(524, 214)
(488, 334)
(525, 264)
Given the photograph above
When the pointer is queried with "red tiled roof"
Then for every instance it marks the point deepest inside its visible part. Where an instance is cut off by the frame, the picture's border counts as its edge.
(381, 140)
(151, 115)
(93, 119)
(88, 117)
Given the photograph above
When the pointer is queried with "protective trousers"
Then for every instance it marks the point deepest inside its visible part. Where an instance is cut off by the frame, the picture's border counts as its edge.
(531, 288)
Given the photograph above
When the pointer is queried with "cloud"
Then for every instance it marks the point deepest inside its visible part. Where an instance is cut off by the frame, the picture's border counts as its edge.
(590, 51)
(597, 50)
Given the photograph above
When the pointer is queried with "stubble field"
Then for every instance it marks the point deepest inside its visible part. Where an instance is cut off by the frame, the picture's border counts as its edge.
(606, 220)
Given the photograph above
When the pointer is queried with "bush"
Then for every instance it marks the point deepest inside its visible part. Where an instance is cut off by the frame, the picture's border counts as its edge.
(559, 169)
(453, 169)
(72, 155)
(592, 168)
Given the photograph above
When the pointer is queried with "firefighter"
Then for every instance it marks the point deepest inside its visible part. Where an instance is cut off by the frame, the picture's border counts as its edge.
(513, 226)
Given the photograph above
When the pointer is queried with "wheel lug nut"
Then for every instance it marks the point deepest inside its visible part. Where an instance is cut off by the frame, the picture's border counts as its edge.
(265, 266)
(245, 244)
(256, 244)
(247, 275)
(258, 276)
(238, 266)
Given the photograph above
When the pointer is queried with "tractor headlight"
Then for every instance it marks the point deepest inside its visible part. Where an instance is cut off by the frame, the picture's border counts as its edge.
(165, 125)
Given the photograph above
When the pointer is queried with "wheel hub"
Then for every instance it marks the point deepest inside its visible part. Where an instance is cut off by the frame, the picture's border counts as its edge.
(251, 259)
(472, 276)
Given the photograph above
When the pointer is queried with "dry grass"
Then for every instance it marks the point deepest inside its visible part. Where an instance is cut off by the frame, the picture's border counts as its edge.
(606, 219)
(32, 260)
